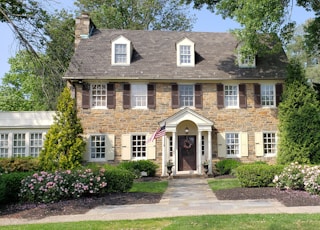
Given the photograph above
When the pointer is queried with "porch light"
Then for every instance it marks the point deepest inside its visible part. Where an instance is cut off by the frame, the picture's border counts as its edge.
(186, 130)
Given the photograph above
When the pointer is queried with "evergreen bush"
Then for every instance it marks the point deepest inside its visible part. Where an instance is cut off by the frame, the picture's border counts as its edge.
(18, 164)
(226, 166)
(137, 167)
(257, 175)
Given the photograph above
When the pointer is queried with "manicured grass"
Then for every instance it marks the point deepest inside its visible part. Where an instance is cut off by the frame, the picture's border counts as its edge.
(221, 222)
(149, 187)
(219, 184)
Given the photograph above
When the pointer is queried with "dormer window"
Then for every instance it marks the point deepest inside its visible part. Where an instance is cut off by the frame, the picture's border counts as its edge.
(185, 53)
(121, 51)
(246, 60)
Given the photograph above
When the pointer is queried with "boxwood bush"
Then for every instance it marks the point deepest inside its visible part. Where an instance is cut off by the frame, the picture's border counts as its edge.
(119, 180)
(137, 167)
(257, 175)
(18, 164)
(226, 166)
(10, 186)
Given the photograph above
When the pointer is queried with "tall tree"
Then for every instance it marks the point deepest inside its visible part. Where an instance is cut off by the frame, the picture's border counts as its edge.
(299, 119)
(138, 14)
(64, 145)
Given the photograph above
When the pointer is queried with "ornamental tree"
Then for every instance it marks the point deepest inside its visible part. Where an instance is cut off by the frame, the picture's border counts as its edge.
(64, 145)
(299, 120)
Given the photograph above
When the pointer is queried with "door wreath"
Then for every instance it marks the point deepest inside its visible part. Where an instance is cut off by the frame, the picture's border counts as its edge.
(187, 144)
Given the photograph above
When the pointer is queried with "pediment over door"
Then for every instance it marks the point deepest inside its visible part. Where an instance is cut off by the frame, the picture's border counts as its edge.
(187, 114)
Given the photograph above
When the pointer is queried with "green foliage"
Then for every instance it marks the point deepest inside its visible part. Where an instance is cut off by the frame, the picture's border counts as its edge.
(10, 186)
(299, 119)
(64, 145)
(18, 164)
(150, 187)
(226, 166)
(138, 15)
(137, 167)
(257, 175)
(119, 180)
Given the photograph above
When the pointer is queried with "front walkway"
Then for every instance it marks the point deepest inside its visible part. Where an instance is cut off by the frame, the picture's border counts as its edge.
(184, 197)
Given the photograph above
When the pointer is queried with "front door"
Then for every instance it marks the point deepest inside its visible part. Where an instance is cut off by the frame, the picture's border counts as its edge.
(187, 153)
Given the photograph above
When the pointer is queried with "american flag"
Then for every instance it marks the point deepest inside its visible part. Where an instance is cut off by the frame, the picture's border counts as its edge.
(160, 132)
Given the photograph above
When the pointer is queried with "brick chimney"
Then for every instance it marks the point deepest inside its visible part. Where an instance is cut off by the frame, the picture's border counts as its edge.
(84, 28)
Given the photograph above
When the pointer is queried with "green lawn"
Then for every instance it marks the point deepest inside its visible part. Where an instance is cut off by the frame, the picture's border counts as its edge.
(219, 184)
(219, 222)
(150, 187)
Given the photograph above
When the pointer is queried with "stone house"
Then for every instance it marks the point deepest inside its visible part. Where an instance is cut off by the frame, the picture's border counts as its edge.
(213, 102)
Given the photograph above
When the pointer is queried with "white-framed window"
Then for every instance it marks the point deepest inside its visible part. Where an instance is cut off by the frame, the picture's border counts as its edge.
(139, 96)
(185, 53)
(139, 147)
(231, 98)
(121, 51)
(35, 145)
(19, 145)
(232, 145)
(268, 98)
(186, 95)
(97, 147)
(202, 146)
(4, 144)
(247, 61)
(171, 146)
(99, 95)
(120, 54)
(269, 143)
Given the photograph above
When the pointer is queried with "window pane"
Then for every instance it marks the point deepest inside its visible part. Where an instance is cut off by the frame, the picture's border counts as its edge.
(267, 95)
(139, 96)
(98, 95)
(4, 144)
(231, 95)
(120, 53)
(139, 146)
(98, 146)
(232, 144)
(186, 94)
(19, 145)
(35, 144)
(185, 54)
(269, 143)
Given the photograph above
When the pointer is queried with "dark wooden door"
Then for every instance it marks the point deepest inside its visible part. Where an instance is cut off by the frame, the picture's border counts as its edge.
(187, 153)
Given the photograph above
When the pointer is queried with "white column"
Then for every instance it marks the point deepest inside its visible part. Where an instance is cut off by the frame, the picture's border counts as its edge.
(175, 154)
(199, 163)
(210, 151)
(164, 156)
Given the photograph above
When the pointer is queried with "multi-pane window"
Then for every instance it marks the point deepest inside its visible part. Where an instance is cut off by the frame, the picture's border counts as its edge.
(139, 96)
(99, 95)
(186, 95)
(19, 145)
(171, 146)
(4, 144)
(185, 54)
(35, 145)
(120, 53)
(202, 145)
(267, 95)
(139, 148)
(232, 144)
(269, 143)
(98, 146)
(231, 96)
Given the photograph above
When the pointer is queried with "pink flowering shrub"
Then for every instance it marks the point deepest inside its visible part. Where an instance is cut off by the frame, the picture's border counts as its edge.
(312, 180)
(49, 187)
(292, 177)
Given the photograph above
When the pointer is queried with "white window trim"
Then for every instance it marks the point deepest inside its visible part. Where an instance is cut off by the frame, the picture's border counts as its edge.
(224, 95)
(131, 95)
(243, 64)
(239, 145)
(121, 40)
(27, 139)
(186, 42)
(193, 102)
(276, 140)
(274, 96)
(91, 96)
(126, 147)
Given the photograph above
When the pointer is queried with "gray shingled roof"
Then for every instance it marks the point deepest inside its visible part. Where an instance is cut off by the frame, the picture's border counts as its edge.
(154, 57)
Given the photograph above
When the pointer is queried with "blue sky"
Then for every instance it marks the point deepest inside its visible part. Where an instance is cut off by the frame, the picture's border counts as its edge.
(206, 22)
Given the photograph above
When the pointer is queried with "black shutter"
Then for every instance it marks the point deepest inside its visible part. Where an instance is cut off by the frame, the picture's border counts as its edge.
(242, 96)
(220, 96)
(279, 90)
(151, 96)
(257, 95)
(126, 96)
(198, 96)
(175, 96)
(111, 96)
(86, 96)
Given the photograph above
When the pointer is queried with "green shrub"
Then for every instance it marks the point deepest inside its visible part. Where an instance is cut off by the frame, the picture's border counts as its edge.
(137, 167)
(226, 166)
(257, 175)
(18, 164)
(10, 185)
(119, 179)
